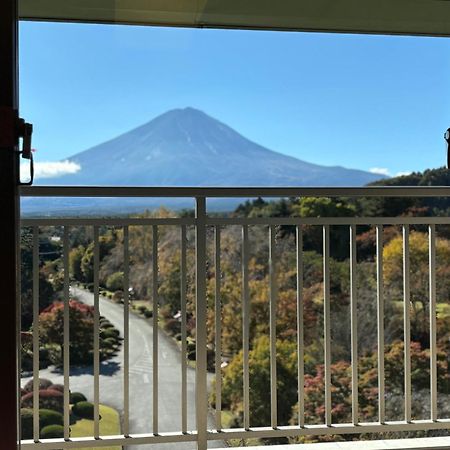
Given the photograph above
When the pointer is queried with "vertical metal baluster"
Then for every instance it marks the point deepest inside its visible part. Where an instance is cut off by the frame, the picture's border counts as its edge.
(406, 323)
(126, 333)
(300, 329)
(433, 353)
(36, 334)
(96, 335)
(354, 324)
(380, 324)
(200, 324)
(155, 327)
(183, 332)
(66, 338)
(218, 327)
(273, 328)
(245, 326)
(326, 324)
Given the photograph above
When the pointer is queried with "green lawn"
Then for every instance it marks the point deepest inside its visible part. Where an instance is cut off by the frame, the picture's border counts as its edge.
(109, 425)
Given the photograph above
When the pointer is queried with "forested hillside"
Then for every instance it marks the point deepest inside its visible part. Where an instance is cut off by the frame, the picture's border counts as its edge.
(141, 240)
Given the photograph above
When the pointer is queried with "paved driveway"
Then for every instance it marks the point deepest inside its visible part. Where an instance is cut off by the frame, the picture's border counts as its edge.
(141, 367)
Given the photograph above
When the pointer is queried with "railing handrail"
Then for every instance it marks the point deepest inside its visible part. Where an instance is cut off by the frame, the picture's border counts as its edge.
(224, 192)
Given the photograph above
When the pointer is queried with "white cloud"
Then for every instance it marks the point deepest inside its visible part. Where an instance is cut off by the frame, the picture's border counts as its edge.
(380, 171)
(51, 169)
(402, 174)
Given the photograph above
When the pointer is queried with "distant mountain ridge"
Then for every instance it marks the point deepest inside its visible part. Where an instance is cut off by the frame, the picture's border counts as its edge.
(186, 147)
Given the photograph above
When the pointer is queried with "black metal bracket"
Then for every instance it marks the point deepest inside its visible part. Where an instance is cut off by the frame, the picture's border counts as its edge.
(12, 129)
(25, 131)
(447, 138)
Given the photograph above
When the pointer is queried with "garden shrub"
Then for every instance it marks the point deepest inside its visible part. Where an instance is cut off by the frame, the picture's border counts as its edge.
(110, 333)
(190, 346)
(26, 363)
(85, 410)
(57, 387)
(43, 384)
(109, 343)
(106, 325)
(52, 431)
(50, 417)
(141, 308)
(115, 281)
(54, 354)
(117, 296)
(48, 399)
(44, 357)
(76, 397)
(172, 326)
(81, 324)
(148, 313)
(166, 312)
(26, 420)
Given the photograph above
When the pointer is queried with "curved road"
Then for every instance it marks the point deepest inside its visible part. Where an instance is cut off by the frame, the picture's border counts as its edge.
(141, 369)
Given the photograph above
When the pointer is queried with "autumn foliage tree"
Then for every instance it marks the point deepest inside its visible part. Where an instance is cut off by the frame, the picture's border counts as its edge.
(81, 328)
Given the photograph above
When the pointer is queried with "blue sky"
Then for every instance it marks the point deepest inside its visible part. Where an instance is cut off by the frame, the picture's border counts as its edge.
(358, 101)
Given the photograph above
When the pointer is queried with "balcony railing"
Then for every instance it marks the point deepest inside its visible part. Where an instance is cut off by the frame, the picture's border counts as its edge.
(202, 223)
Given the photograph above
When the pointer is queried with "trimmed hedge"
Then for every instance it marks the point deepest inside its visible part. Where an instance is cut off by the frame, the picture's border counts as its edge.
(110, 333)
(85, 410)
(49, 417)
(26, 420)
(57, 387)
(76, 397)
(43, 384)
(52, 431)
(48, 399)
(110, 343)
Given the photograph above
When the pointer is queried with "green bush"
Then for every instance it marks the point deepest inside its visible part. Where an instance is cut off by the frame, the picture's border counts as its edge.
(110, 333)
(148, 313)
(141, 308)
(26, 363)
(191, 346)
(49, 417)
(106, 324)
(52, 431)
(26, 420)
(85, 410)
(44, 357)
(109, 343)
(76, 397)
(115, 281)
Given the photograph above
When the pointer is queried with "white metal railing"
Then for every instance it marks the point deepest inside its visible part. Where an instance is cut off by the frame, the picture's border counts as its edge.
(201, 222)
